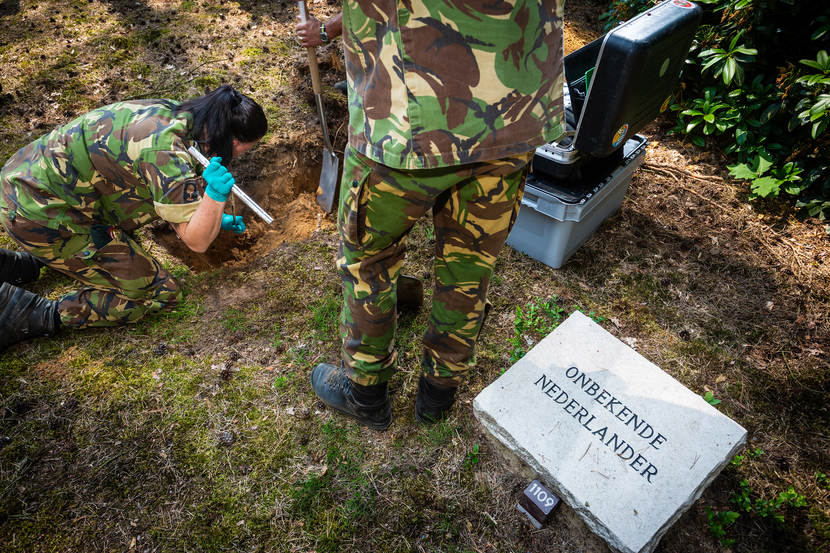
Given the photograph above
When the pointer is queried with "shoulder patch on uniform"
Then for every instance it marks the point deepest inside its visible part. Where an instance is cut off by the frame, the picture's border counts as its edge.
(190, 193)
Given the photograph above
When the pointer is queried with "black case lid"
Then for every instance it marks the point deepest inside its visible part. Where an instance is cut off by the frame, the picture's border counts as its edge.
(636, 69)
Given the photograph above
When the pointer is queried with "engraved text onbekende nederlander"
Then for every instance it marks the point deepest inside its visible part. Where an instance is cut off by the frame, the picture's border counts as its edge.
(634, 428)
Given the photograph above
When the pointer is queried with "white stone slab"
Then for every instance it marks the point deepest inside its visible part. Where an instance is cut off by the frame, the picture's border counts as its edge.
(662, 443)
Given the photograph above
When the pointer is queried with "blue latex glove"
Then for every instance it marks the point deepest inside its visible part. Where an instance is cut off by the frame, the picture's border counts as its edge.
(228, 223)
(219, 180)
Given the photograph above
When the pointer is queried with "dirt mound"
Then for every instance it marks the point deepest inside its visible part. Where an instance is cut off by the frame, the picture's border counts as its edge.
(283, 180)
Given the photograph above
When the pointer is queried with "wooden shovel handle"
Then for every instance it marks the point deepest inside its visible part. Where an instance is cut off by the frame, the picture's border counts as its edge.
(313, 68)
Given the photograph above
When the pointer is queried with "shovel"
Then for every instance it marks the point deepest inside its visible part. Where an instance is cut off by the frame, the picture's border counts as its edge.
(327, 189)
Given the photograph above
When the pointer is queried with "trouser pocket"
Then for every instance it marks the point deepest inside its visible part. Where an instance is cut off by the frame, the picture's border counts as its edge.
(353, 192)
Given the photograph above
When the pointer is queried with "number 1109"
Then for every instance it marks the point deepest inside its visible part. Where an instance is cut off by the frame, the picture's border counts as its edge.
(541, 495)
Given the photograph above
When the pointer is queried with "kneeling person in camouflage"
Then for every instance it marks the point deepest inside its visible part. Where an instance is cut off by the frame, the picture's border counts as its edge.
(72, 199)
(447, 103)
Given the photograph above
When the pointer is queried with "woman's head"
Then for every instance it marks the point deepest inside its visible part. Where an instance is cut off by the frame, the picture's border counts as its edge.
(228, 121)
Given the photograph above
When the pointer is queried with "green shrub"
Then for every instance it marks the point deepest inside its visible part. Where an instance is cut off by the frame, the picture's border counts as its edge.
(764, 508)
(532, 323)
(719, 521)
(757, 86)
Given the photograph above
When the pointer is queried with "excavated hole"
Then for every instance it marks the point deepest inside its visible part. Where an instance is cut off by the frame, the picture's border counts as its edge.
(284, 183)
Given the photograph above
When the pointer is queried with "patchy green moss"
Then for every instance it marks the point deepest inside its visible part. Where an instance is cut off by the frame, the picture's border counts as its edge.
(208, 82)
(251, 53)
(152, 35)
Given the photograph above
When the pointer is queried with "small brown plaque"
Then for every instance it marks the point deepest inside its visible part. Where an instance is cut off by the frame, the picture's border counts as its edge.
(537, 502)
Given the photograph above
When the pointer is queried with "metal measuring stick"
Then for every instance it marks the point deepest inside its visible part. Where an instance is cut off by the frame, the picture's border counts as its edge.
(236, 191)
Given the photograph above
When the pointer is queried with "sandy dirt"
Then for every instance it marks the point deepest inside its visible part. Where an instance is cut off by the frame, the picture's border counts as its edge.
(285, 187)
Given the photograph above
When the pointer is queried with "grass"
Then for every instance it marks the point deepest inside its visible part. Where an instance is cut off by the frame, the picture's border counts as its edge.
(196, 429)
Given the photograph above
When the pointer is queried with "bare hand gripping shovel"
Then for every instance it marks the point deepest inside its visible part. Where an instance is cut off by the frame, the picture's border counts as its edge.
(327, 189)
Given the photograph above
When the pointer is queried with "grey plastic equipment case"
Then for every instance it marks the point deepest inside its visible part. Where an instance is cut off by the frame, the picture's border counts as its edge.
(553, 222)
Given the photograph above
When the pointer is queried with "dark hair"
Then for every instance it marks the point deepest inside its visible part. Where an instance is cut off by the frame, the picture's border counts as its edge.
(222, 115)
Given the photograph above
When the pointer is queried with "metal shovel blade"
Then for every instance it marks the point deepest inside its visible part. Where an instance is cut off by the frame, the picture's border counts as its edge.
(327, 190)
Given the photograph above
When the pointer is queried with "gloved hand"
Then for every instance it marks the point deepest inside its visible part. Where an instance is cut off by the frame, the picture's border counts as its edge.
(219, 180)
(228, 223)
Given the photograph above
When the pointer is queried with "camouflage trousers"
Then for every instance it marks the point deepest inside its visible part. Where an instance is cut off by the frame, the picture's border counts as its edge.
(123, 282)
(473, 206)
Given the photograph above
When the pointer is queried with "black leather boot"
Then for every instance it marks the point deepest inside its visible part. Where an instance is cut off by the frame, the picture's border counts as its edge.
(410, 294)
(24, 315)
(368, 405)
(433, 401)
(18, 267)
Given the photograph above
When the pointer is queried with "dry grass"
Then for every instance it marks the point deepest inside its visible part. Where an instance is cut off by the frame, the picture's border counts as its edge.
(196, 430)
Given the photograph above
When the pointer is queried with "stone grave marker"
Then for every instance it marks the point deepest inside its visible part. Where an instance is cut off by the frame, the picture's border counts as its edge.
(623, 443)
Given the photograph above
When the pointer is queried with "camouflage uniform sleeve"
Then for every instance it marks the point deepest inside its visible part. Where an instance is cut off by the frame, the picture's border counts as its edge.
(171, 177)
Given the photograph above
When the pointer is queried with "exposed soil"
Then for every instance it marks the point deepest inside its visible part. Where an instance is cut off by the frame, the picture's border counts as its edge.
(286, 181)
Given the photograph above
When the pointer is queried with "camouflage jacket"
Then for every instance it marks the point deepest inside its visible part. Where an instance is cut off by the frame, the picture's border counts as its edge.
(122, 165)
(440, 83)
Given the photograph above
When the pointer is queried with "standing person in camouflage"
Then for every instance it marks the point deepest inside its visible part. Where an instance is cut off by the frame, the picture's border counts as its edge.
(447, 102)
(72, 199)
